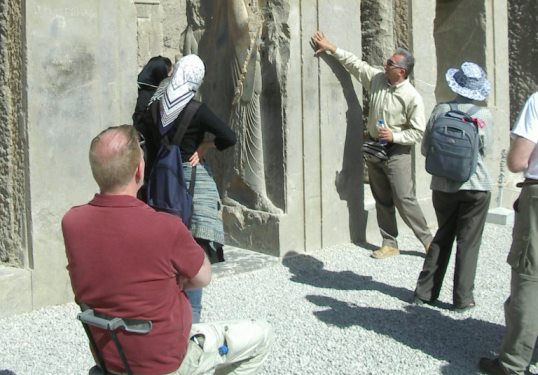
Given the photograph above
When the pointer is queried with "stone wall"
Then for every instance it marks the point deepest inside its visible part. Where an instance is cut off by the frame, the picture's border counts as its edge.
(149, 28)
(160, 28)
(523, 33)
(68, 69)
(13, 137)
(174, 20)
(79, 77)
(402, 23)
(324, 187)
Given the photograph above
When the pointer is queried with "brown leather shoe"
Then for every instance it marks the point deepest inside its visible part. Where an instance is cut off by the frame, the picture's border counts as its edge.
(492, 366)
(385, 252)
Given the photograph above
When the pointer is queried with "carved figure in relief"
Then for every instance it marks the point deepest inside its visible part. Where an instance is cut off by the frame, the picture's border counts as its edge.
(245, 182)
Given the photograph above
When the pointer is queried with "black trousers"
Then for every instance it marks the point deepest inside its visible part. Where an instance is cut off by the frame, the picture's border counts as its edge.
(461, 216)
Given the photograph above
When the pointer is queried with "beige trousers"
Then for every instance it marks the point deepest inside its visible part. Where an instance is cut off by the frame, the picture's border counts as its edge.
(393, 188)
(248, 343)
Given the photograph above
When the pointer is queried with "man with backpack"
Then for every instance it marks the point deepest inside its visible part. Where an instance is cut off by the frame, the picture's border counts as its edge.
(129, 261)
(461, 207)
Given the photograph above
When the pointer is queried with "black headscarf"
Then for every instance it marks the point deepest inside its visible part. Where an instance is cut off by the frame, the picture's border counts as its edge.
(153, 73)
(148, 80)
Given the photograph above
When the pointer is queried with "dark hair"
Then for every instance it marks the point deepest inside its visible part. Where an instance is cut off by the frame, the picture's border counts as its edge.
(155, 71)
(168, 62)
(408, 61)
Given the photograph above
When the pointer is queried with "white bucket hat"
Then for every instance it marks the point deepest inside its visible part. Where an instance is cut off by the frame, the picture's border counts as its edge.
(469, 81)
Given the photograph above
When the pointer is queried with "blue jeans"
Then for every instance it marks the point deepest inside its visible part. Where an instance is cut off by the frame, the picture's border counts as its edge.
(195, 298)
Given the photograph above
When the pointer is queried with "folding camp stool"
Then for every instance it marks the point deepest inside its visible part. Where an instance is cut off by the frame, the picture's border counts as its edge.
(89, 317)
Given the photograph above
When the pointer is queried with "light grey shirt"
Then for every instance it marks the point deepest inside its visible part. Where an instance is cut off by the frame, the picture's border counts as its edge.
(480, 180)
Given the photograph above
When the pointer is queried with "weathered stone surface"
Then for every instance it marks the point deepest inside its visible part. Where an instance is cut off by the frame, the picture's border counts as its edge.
(149, 29)
(13, 137)
(523, 32)
(244, 85)
(377, 26)
(81, 74)
(15, 291)
(174, 19)
(259, 230)
(402, 23)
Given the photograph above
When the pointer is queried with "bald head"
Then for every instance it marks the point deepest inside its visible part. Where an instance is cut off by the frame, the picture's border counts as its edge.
(114, 157)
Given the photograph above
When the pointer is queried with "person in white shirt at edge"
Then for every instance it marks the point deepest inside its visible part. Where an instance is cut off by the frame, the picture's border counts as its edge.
(521, 307)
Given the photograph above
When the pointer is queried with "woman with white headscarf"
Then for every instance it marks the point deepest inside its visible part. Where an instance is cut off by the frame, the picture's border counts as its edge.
(172, 97)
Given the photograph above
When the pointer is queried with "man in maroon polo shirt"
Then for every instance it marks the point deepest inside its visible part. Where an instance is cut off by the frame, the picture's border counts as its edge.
(127, 260)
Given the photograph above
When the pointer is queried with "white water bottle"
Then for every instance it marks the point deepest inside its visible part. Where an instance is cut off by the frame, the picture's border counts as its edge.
(381, 124)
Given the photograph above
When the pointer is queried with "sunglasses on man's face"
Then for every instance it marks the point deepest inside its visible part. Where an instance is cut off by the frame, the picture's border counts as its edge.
(391, 64)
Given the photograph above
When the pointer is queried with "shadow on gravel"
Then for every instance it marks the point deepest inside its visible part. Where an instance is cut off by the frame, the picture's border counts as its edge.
(460, 342)
(309, 270)
(368, 246)
(7, 372)
(413, 253)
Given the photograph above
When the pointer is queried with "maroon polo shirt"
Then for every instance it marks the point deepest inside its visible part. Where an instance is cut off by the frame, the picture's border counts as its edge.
(124, 259)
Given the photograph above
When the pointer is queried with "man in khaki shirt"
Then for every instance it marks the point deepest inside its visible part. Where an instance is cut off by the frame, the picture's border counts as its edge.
(393, 99)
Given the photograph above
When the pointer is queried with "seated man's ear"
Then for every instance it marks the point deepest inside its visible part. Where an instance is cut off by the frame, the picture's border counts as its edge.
(139, 173)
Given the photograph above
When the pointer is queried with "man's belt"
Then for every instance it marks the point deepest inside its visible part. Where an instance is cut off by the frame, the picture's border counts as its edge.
(528, 181)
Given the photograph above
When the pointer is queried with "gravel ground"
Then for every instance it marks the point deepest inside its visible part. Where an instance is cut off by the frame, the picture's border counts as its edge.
(336, 311)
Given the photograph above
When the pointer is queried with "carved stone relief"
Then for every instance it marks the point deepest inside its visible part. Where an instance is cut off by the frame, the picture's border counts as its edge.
(244, 45)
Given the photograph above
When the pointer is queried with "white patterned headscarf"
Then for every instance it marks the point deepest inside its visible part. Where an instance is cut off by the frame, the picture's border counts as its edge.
(175, 93)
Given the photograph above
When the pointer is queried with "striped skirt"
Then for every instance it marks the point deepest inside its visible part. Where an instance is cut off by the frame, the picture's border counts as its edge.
(206, 222)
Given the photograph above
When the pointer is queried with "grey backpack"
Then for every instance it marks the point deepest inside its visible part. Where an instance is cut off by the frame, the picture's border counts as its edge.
(453, 145)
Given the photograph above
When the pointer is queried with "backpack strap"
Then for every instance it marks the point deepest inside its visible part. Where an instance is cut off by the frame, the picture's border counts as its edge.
(454, 107)
(191, 190)
(188, 113)
(473, 110)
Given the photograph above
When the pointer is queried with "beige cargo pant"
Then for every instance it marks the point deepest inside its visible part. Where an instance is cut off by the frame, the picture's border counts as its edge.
(248, 343)
(521, 307)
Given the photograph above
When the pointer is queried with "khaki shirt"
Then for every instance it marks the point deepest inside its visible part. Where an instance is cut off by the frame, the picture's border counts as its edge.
(400, 105)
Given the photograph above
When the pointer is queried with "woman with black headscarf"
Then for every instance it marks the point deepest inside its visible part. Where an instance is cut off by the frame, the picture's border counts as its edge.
(157, 69)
